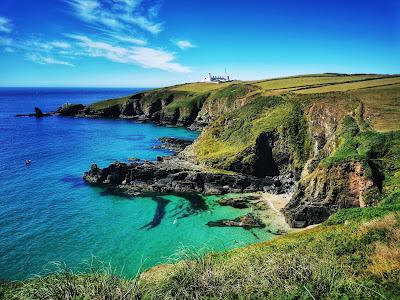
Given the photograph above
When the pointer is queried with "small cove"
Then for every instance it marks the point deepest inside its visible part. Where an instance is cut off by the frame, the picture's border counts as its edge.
(49, 214)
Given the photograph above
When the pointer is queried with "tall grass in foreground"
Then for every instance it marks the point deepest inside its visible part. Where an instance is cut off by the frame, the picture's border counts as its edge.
(352, 260)
(99, 281)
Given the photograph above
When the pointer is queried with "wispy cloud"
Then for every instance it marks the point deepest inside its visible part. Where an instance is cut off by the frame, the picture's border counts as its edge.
(184, 44)
(131, 40)
(117, 23)
(46, 46)
(5, 41)
(46, 60)
(144, 56)
(5, 25)
(120, 16)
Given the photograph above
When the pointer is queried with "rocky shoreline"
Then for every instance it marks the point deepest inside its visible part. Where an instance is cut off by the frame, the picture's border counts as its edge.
(173, 175)
(283, 159)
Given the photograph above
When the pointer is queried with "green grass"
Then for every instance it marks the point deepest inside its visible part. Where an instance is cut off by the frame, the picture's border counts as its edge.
(185, 104)
(110, 102)
(352, 85)
(382, 106)
(309, 81)
(200, 87)
(341, 259)
(227, 140)
(353, 255)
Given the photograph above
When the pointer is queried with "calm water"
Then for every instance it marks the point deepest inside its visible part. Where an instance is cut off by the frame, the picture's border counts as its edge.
(48, 214)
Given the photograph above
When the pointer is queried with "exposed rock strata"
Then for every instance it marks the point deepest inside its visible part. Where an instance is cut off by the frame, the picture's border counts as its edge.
(327, 190)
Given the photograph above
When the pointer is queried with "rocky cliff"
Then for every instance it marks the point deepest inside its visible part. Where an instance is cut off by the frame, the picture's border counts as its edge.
(317, 145)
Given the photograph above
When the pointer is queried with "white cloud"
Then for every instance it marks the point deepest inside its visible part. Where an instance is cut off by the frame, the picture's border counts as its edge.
(152, 58)
(121, 16)
(131, 40)
(60, 44)
(46, 60)
(184, 44)
(5, 25)
(144, 56)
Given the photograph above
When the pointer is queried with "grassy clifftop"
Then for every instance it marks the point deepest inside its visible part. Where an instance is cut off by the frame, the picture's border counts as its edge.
(339, 135)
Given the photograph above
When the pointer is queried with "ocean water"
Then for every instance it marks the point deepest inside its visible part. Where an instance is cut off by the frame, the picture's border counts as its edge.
(48, 214)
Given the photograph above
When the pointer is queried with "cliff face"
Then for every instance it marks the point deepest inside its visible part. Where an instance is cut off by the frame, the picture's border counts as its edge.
(224, 100)
(327, 190)
(169, 106)
(315, 145)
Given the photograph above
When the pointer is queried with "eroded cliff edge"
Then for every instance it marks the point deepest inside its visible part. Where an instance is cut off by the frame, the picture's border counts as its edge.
(318, 145)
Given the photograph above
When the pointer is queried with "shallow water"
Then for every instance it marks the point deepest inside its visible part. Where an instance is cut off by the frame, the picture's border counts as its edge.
(48, 214)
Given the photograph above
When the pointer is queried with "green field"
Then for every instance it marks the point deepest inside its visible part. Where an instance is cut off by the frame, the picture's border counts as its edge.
(108, 103)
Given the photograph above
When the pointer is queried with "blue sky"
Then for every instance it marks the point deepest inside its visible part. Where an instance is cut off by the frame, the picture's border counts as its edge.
(149, 43)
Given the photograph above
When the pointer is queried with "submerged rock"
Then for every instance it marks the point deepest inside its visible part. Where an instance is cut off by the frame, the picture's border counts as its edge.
(247, 221)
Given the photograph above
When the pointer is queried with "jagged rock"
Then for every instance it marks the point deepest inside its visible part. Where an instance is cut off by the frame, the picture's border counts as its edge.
(171, 175)
(349, 184)
(38, 114)
(247, 221)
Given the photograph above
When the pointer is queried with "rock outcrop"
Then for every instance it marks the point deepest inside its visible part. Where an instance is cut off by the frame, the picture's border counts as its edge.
(325, 191)
(248, 221)
(70, 110)
(249, 201)
(256, 143)
(173, 144)
(38, 114)
(171, 175)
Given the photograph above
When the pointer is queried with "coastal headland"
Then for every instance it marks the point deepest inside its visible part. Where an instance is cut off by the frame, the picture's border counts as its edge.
(313, 149)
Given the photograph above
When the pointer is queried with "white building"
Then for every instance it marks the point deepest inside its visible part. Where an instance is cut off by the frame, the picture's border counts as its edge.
(216, 79)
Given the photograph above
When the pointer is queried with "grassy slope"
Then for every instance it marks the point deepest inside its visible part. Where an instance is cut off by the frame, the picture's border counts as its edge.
(346, 258)
(229, 138)
(353, 255)
(108, 103)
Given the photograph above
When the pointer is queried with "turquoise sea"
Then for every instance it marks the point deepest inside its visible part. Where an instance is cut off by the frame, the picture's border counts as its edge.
(47, 213)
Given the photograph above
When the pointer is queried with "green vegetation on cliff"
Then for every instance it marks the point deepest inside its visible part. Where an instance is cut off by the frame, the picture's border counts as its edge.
(231, 138)
(341, 132)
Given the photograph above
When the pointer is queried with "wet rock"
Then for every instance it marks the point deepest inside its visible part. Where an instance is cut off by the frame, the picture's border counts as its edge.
(170, 175)
(247, 221)
(240, 202)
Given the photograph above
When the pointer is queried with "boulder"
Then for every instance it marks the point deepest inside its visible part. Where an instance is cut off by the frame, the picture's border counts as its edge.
(247, 221)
